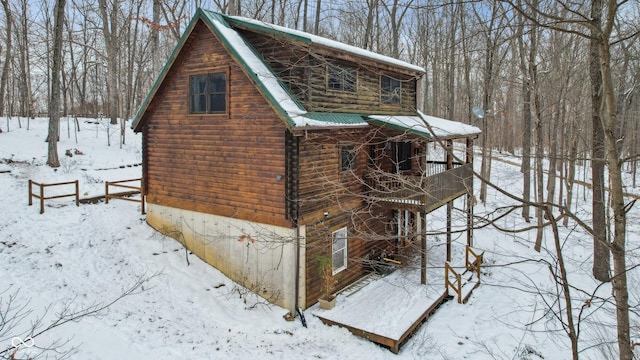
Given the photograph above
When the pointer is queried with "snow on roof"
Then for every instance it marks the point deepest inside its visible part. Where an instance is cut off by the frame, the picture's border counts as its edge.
(280, 97)
(319, 40)
(268, 80)
(430, 126)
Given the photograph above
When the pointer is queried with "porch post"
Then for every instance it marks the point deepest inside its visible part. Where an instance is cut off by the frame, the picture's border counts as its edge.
(422, 225)
(449, 159)
(469, 160)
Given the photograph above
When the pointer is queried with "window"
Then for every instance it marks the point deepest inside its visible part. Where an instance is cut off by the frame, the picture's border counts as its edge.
(208, 93)
(403, 155)
(347, 158)
(390, 90)
(341, 79)
(339, 250)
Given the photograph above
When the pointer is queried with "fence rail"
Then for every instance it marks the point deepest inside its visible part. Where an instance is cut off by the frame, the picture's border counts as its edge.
(124, 195)
(42, 197)
(456, 286)
(475, 262)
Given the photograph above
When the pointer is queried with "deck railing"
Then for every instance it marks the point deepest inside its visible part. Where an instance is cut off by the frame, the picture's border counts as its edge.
(429, 190)
(42, 197)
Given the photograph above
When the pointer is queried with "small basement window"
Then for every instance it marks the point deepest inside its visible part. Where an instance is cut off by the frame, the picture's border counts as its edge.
(390, 90)
(339, 250)
(208, 93)
(341, 79)
(347, 158)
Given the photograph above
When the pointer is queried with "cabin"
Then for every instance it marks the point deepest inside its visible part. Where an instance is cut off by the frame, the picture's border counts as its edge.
(274, 154)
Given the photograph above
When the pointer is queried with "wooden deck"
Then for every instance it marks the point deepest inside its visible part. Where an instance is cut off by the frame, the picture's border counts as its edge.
(388, 310)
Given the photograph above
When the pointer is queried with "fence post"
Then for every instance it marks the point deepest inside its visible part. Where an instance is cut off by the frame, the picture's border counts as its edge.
(41, 198)
(142, 198)
(30, 192)
(77, 193)
(106, 192)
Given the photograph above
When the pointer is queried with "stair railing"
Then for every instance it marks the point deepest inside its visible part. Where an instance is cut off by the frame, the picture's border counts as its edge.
(455, 286)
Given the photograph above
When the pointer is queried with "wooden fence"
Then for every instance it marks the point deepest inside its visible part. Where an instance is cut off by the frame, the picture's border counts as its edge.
(124, 195)
(40, 195)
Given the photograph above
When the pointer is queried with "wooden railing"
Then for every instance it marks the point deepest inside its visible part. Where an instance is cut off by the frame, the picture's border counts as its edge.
(124, 195)
(429, 191)
(42, 197)
(475, 262)
(455, 286)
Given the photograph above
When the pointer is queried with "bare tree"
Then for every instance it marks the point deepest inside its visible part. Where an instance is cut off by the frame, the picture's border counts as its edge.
(54, 102)
(7, 56)
(601, 255)
(109, 15)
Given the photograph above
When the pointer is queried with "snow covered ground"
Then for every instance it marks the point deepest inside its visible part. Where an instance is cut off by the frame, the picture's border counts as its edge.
(73, 258)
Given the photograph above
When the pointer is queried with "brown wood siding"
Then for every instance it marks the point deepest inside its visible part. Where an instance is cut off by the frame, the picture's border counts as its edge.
(366, 228)
(366, 99)
(223, 164)
(303, 69)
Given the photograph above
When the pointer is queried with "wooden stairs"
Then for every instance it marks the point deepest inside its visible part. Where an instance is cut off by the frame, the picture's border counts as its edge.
(463, 281)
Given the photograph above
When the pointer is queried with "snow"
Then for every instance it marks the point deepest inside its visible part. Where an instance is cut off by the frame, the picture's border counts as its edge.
(88, 255)
(430, 125)
(389, 306)
(341, 47)
(255, 64)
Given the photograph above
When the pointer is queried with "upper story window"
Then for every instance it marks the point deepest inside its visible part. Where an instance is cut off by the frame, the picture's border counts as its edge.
(208, 93)
(341, 79)
(347, 158)
(389, 90)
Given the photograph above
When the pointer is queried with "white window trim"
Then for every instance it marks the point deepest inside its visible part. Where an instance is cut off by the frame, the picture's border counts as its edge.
(343, 250)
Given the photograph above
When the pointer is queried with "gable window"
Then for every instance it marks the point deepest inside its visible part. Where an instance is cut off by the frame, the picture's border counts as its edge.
(341, 79)
(347, 158)
(208, 93)
(339, 250)
(389, 90)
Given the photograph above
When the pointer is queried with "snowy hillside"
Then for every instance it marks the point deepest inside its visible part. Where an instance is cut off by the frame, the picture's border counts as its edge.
(72, 258)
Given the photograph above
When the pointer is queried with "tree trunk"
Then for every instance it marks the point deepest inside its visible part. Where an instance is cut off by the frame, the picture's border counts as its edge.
(54, 101)
(601, 265)
(618, 245)
(7, 57)
(110, 33)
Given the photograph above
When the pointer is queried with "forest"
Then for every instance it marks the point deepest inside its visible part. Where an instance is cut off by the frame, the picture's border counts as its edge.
(551, 82)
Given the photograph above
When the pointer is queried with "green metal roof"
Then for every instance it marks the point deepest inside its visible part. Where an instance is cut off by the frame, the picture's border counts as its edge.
(337, 118)
(239, 50)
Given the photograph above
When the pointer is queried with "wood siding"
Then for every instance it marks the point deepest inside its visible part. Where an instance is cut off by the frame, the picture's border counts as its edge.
(225, 164)
(303, 69)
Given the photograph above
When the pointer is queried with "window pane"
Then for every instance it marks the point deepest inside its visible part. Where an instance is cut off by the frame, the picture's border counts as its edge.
(339, 250)
(197, 91)
(350, 80)
(403, 155)
(335, 80)
(338, 260)
(390, 90)
(198, 84)
(341, 79)
(217, 103)
(198, 104)
(217, 83)
(347, 158)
